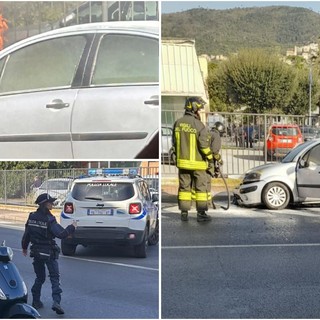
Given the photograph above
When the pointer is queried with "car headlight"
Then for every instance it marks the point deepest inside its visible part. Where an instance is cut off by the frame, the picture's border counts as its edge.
(250, 177)
(2, 295)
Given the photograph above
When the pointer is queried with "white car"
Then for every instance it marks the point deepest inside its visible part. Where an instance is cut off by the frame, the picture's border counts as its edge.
(84, 91)
(295, 179)
(111, 209)
(56, 187)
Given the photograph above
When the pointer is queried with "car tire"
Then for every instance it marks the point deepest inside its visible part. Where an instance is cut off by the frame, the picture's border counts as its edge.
(140, 250)
(154, 238)
(276, 196)
(68, 249)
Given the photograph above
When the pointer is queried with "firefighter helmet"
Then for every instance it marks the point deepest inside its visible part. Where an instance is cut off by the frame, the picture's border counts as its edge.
(194, 104)
(219, 126)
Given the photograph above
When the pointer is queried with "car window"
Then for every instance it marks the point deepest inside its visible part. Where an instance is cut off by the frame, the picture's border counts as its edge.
(313, 156)
(55, 185)
(144, 190)
(47, 64)
(125, 59)
(166, 131)
(103, 191)
(285, 131)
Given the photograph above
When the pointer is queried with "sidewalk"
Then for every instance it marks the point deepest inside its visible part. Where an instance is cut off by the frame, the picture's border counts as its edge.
(20, 213)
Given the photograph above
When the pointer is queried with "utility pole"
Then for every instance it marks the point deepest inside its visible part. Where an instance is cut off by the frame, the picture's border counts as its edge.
(310, 92)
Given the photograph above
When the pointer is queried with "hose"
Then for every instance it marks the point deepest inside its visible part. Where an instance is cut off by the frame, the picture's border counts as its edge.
(226, 186)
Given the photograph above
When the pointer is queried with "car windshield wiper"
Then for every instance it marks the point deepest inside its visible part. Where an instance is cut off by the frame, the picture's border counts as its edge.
(94, 198)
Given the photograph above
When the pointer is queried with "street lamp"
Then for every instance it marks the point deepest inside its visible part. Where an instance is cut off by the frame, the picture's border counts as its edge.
(310, 91)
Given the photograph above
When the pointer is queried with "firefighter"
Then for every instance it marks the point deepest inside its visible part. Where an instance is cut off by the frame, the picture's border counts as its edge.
(216, 133)
(192, 155)
(41, 229)
(3, 29)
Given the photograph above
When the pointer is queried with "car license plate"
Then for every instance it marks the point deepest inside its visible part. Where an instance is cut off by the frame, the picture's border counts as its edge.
(286, 140)
(100, 212)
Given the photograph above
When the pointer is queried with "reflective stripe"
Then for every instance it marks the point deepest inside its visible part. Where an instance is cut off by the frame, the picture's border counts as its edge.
(192, 147)
(184, 196)
(193, 194)
(201, 196)
(178, 144)
(191, 165)
(209, 196)
(206, 151)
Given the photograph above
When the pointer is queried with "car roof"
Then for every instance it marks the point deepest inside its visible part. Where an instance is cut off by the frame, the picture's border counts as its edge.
(147, 27)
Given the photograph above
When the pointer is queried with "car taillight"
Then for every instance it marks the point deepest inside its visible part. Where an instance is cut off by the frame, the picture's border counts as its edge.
(68, 207)
(134, 208)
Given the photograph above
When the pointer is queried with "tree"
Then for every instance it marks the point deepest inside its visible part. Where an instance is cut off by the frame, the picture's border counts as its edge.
(259, 82)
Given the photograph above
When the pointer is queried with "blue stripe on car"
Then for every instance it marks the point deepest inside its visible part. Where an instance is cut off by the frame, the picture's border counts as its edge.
(142, 215)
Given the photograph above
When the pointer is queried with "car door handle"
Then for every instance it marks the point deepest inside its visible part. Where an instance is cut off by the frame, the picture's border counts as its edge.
(57, 104)
(154, 100)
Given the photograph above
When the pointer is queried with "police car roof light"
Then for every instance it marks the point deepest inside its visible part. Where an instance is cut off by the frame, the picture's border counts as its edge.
(113, 172)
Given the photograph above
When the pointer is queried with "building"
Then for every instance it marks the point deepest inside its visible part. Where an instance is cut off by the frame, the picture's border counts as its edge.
(182, 75)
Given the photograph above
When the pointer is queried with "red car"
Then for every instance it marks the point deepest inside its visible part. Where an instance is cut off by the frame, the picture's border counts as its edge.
(282, 138)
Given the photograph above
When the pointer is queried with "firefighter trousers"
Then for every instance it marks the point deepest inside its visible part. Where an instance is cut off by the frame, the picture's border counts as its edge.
(198, 180)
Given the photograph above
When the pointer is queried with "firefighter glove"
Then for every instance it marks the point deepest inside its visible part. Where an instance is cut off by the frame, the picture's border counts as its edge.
(211, 170)
(217, 157)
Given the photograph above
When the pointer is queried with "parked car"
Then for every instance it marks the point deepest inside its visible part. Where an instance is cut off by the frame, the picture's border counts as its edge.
(282, 138)
(84, 91)
(57, 188)
(310, 133)
(293, 180)
(111, 209)
(166, 143)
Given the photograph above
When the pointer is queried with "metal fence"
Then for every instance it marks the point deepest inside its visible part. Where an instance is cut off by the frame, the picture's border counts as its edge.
(239, 153)
(28, 18)
(21, 187)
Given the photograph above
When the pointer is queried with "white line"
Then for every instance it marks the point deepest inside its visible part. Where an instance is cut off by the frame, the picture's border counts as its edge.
(243, 246)
(105, 262)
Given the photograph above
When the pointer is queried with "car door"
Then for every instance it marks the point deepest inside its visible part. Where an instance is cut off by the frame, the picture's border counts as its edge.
(308, 175)
(36, 98)
(118, 113)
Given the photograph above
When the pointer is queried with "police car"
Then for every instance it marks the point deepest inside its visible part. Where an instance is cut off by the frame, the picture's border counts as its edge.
(113, 207)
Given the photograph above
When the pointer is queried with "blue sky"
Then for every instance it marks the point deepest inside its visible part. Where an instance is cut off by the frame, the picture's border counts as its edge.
(178, 6)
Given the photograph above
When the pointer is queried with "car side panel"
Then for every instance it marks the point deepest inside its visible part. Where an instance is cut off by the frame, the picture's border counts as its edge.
(114, 122)
(29, 129)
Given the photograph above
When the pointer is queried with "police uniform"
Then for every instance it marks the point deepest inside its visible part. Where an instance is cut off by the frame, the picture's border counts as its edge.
(40, 230)
(192, 152)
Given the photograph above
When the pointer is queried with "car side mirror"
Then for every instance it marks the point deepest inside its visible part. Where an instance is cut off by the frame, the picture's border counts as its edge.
(155, 197)
(303, 163)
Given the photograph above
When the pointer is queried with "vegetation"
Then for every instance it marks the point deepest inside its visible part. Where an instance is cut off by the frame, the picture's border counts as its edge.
(274, 28)
(258, 82)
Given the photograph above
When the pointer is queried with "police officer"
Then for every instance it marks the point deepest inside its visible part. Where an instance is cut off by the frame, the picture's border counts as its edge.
(40, 230)
(216, 133)
(192, 154)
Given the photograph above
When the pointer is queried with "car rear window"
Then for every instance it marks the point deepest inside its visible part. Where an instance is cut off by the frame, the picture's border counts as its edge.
(285, 131)
(103, 191)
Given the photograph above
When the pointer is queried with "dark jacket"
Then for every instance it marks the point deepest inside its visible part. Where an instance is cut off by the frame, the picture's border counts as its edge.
(191, 142)
(215, 141)
(42, 228)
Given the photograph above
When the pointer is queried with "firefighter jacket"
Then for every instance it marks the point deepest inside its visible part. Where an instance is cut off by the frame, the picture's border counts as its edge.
(41, 228)
(215, 141)
(191, 141)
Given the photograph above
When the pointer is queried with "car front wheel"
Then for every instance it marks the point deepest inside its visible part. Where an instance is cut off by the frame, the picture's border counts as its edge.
(276, 196)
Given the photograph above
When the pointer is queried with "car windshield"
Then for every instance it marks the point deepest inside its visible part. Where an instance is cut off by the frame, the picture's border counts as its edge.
(294, 152)
(103, 191)
(55, 185)
(309, 130)
(285, 131)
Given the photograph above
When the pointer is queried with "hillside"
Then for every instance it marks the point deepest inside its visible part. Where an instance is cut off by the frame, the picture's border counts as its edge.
(225, 31)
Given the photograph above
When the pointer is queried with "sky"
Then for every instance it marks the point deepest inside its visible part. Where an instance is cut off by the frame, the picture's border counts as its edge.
(178, 6)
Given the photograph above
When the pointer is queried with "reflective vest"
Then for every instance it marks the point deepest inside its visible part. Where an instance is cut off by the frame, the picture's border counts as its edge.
(191, 141)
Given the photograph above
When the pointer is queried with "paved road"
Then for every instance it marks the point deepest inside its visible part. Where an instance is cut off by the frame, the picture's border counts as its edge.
(246, 263)
(97, 283)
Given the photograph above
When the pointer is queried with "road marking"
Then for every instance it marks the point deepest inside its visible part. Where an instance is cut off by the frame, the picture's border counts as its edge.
(104, 262)
(243, 246)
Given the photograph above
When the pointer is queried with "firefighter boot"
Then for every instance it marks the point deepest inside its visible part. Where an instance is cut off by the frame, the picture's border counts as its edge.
(184, 215)
(203, 217)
